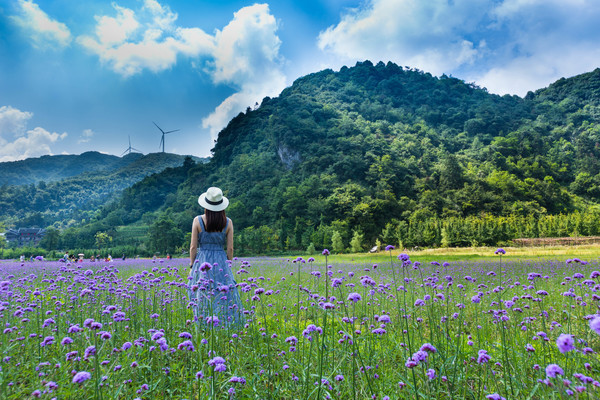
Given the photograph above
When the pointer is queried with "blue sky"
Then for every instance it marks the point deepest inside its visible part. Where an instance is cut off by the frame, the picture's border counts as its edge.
(79, 76)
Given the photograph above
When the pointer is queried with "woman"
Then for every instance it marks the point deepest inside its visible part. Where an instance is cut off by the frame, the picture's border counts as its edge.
(212, 287)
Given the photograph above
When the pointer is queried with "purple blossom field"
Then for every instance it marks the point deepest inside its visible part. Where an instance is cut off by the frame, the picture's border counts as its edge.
(309, 330)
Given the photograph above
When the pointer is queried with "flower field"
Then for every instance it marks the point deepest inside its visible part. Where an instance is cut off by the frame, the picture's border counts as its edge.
(309, 329)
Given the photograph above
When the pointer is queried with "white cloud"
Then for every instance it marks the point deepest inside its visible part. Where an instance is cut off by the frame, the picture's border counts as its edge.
(544, 41)
(86, 136)
(509, 46)
(13, 121)
(43, 30)
(17, 143)
(130, 43)
(425, 34)
(244, 54)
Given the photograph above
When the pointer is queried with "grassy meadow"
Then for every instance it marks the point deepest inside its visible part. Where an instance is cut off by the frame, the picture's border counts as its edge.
(432, 324)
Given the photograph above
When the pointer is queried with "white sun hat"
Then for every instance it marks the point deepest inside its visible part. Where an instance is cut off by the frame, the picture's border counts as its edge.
(213, 199)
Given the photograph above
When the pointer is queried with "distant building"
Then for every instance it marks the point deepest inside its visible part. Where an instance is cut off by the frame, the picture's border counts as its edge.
(25, 236)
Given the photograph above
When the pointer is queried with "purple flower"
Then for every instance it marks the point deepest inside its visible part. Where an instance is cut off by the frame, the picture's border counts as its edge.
(204, 267)
(66, 340)
(430, 373)
(428, 347)
(500, 251)
(420, 356)
(90, 351)
(419, 302)
(595, 324)
(81, 377)
(483, 357)
(291, 340)
(494, 396)
(216, 361)
(95, 325)
(325, 252)
(389, 247)
(220, 368)
(186, 344)
(48, 340)
(238, 379)
(565, 343)
(404, 257)
(552, 370)
(354, 297)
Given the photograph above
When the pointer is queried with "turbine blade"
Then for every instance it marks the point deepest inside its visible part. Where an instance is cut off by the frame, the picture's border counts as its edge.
(172, 131)
(158, 127)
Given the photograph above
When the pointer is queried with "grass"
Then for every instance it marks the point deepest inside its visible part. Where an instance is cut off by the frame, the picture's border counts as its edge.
(475, 254)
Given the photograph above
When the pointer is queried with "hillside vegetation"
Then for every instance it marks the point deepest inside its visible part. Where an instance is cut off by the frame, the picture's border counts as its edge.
(74, 199)
(381, 152)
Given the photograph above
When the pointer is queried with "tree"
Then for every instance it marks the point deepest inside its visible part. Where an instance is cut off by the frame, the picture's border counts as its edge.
(51, 239)
(164, 236)
(336, 242)
(445, 238)
(356, 242)
(102, 239)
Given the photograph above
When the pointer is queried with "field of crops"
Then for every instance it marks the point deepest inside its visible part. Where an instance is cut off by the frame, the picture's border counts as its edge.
(496, 329)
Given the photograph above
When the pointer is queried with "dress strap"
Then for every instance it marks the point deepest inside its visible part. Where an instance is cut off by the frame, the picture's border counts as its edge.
(226, 223)
(202, 227)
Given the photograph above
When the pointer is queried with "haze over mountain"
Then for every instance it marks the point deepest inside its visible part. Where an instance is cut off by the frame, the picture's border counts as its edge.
(389, 153)
(66, 189)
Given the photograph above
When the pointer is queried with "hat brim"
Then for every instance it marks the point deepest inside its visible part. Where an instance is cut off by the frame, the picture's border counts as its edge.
(211, 207)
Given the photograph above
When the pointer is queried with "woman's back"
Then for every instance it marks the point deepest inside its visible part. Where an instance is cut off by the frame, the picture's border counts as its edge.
(211, 240)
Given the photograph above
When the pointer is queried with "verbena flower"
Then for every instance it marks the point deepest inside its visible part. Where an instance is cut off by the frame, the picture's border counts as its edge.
(565, 343)
(81, 377)
(553, 370)
(595, 324)
(430, 373)
(494, 396)
(354, 297)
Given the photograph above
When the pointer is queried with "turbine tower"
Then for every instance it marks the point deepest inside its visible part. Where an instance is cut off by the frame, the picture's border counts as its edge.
(162, 139)
(130, 149)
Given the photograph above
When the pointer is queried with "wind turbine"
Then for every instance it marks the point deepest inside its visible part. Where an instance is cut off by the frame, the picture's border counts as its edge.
(162, 139)
(130, 149)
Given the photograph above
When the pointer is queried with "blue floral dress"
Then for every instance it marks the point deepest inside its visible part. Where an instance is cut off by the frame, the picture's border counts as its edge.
(214, 291)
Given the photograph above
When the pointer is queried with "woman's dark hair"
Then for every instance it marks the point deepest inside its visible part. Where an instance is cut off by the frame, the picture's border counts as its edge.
(215, 220)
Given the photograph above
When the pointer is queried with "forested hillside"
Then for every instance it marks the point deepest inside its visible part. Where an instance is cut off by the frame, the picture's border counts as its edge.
(58, 167)
(342, 159)
(76, 199)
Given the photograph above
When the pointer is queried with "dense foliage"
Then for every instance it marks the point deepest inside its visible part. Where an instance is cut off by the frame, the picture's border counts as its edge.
(381, 151)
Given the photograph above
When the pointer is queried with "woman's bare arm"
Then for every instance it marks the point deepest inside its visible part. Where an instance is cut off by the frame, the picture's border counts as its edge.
(194, 241)
(229, 233)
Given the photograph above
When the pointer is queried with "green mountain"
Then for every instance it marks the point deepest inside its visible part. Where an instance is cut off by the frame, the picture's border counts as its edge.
(59, 167)
(381, 152)
(73, 187)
